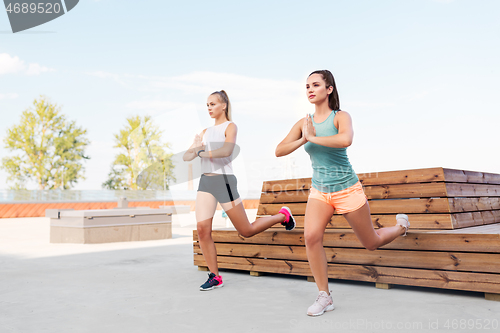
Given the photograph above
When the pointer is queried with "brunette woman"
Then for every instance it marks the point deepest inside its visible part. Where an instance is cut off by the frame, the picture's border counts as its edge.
(326, 134)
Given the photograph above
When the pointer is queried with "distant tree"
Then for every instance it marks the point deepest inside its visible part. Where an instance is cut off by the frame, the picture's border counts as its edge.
(143, 161)
(49, 149)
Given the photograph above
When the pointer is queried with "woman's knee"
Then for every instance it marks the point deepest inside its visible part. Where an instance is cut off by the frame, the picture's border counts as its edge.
(370, 246)
(204, 230)
(246, 232)
(370, 243)
(313, 237)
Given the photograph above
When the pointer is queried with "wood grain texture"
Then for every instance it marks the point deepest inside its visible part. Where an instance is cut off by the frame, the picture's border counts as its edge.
(476, 239)
(456, 261)
(426, 190)
(482, 282)
(413, 176)
(394, 206)
(402, 177)
(405, 206)
(454, 241)
(418, 221)
(372, 178)
(473, 177)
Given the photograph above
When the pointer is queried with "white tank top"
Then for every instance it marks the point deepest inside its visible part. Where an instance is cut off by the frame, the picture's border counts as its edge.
(213, 139)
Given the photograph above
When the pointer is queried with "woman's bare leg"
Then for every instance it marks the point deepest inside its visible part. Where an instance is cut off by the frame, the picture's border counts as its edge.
(361, 224)
(236, 212)
(318, 214)
(205, 209)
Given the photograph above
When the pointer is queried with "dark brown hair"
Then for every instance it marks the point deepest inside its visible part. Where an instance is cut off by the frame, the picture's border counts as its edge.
(333, 98)
(223, 98)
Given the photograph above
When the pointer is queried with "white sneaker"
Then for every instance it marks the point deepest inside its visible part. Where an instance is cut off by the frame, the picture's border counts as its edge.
(323, 303)
(402, 220)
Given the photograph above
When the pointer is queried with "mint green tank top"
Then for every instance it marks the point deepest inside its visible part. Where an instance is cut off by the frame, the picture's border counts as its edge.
(332, 171)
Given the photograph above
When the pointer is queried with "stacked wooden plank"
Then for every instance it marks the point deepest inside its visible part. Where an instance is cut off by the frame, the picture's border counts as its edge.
(454, 241)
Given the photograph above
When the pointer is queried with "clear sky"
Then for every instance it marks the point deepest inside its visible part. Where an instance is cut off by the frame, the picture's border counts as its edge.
(420, 78)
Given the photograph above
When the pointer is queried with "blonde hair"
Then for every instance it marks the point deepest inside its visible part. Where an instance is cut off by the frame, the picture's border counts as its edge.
(223, 98)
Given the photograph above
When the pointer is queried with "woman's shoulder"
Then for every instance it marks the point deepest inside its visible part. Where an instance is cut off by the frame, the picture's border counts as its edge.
(231, 127)
(341, 114)
(341, 117)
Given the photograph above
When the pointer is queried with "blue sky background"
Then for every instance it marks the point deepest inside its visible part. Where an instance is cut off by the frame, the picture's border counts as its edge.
(420, 78)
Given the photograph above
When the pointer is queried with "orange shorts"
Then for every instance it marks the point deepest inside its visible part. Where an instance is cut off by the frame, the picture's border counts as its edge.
(345, 201)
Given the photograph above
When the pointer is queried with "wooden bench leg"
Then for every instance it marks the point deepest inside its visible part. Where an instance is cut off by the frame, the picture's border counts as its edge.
(383, 285)
(492, 297)
(203, 268)
(310, 279)
(253, 273)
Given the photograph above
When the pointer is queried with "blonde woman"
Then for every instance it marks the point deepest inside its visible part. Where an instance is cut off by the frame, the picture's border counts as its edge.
(326, 134)
(214, 146)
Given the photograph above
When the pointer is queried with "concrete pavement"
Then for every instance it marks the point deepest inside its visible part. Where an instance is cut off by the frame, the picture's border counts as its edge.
(152, 286)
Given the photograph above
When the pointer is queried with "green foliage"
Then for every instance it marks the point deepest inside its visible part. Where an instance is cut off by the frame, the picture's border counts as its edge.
(143, 161)
(49, 149)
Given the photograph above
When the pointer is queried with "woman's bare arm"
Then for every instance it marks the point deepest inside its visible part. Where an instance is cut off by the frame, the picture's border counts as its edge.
(343, 139)
(191, 153)
(292, 141)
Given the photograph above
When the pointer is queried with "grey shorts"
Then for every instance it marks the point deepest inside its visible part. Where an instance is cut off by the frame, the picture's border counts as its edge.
(222, 187)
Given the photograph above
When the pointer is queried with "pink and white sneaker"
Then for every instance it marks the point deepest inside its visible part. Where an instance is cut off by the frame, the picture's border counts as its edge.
(214, 281)
(289, 222)
(322, 304)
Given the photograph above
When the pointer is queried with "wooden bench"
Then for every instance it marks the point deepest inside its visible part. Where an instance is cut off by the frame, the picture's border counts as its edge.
(453, 243)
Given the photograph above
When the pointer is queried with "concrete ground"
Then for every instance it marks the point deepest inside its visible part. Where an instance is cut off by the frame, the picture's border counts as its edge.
(152, 286)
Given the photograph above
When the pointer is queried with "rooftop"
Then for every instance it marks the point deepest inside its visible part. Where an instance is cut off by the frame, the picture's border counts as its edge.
(152, 286)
